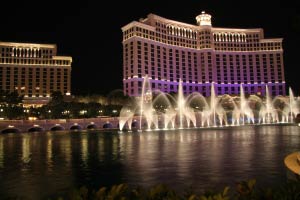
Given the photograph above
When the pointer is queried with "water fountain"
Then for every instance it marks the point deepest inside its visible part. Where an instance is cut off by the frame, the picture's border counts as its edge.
(159, 110)
(267, 112)
(245, 110)
(293, 106)
(146, 105)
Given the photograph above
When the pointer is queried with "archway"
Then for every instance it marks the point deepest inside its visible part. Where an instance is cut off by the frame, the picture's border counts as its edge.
(35, 129)
(91, 126)
(57, 128)
(75, 127)
(107, 125)
(10, 130)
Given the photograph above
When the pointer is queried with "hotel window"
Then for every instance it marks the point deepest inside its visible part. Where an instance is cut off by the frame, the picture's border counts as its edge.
(153, 85)
(8, 72)
(1, 77)
(23, 77)
(15, 76)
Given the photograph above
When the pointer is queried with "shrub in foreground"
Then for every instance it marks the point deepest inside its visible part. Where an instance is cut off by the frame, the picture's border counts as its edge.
(245, 190)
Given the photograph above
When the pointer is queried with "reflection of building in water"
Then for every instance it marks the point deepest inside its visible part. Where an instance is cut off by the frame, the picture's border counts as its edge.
(65, 147)
(49, 152)
(26, 154)
(1, 152)
(168, 51)
(109, 145)
(101, 152)
(84, 149)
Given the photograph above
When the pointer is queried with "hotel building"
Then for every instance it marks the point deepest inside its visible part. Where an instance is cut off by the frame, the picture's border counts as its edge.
(168, 51)
(34, 70)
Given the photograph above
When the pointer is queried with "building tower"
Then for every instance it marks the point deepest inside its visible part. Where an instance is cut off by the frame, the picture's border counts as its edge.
(199, 55)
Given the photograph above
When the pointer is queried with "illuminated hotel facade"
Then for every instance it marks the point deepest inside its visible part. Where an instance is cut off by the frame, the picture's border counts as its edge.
(200, 55)
(34, 70)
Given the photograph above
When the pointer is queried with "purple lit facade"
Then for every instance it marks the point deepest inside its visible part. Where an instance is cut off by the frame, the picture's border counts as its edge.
(199, 55)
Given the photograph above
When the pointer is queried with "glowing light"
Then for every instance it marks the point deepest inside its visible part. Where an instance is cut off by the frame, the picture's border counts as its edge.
(32, 118)
(204, 19)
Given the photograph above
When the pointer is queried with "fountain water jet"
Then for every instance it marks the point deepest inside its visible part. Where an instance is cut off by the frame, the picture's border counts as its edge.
(213, 103)
(244, 108)
(267, 113)
(294, 109)
(161, 110)
(146, 105)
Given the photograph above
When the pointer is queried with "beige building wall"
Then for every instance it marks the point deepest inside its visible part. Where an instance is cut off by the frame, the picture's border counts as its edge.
(200, 55)
(34, 70)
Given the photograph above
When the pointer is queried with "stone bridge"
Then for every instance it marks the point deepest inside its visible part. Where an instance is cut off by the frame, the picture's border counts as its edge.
(18, 126)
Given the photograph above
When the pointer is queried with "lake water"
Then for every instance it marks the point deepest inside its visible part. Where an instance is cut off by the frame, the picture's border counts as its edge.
(45, 165)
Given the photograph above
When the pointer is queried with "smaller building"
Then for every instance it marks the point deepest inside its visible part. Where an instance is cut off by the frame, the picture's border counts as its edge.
(34, 70)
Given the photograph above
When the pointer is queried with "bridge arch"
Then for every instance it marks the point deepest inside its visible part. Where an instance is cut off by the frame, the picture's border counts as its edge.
(10, 130)
(91, 126)
(35, 129)
(57, 128)
(134, 124)
(76, 127)
(108, 125)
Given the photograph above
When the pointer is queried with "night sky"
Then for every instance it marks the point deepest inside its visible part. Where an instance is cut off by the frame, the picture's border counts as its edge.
(90, 31)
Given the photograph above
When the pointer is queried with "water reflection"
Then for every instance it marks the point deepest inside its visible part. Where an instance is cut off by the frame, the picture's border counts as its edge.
(39, 165)
(26, 155)
(49, 154)
(213, 156)
(1, 152)
(65, 148)
(84, 149)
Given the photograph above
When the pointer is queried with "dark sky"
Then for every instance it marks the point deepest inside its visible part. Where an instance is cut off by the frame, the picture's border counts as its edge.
(90, 31)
